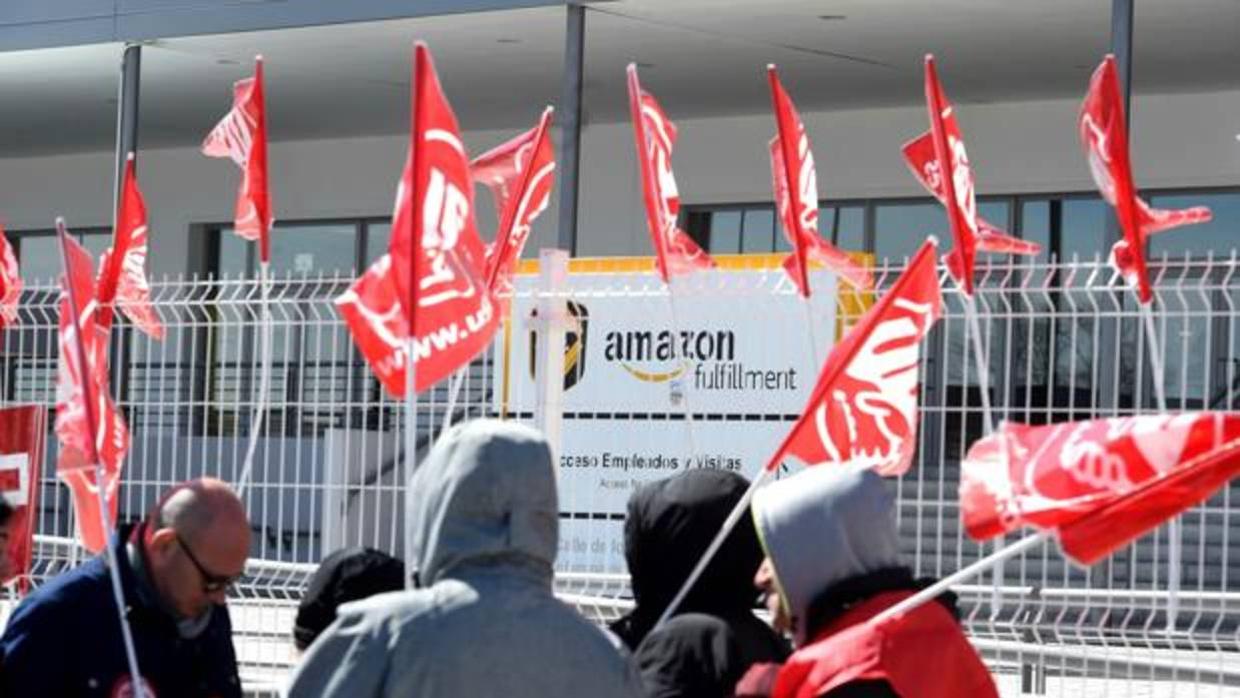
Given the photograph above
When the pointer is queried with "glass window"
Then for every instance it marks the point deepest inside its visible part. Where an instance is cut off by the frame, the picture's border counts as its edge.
(39, 254)
(725, 232)
(1035, 224)
(1083, 229)
(844, 226)
(1220, 236)
(758, 230)
(996, 213)
(297, 249)
(899, 229)
(378, 235)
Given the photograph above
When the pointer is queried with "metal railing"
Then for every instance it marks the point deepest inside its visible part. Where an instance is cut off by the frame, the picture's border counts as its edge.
(1063, 340)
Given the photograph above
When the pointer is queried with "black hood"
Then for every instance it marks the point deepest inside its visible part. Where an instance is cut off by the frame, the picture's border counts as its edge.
(669, 525)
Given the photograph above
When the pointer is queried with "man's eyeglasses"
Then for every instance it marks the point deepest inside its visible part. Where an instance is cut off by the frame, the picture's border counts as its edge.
(211, 583)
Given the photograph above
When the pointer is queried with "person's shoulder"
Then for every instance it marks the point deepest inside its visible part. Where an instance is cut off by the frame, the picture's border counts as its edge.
(394, 607)
(80, 587)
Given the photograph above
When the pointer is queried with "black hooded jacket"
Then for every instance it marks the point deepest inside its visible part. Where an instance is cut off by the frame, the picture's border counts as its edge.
(714, 636)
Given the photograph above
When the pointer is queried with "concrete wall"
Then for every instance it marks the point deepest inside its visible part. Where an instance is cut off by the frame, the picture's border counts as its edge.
(1185, 140)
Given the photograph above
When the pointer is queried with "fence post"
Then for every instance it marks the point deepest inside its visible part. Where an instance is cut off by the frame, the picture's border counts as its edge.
(551, 322)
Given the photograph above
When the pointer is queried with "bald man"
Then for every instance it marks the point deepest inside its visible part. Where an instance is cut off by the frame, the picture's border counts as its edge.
(176, 568)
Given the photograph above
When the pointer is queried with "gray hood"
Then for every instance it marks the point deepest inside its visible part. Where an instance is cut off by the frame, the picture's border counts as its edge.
(484, 497)
(822, 526)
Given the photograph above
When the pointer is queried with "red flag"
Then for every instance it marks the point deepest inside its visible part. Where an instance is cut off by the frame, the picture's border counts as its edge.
(796, 196)
(863, 410)
(242, 136)
(77, 393)
(22, 431)
(122, 272)
(1104, 137)
(920, 157)
(520, 174)
(655, 135)
(372, 311)
(431, 280)
(10, 283)
(956, 189)
(1099, 483)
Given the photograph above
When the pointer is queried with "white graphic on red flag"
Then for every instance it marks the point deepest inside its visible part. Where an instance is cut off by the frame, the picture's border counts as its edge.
(430, 284)
(941, 152)
(655, 134)
(863, 409)
(10, 283)
(1099, 483)
(520, 174)
(1104, 138)
(122, 273)
(78, 446)
(796, 198)
(22, 432)
(242, 136)
(921, 160)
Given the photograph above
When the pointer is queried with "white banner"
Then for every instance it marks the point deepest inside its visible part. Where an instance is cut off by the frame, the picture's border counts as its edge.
(740, 342)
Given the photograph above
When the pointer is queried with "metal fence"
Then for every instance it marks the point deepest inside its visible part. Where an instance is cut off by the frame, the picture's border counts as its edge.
(1064, 343)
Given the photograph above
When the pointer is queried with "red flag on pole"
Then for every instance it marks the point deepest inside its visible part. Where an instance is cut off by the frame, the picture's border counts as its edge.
(863, 410)
(22, 431)
(122, 273)
(242, 136)
(655, 135)
(10, 283)
(796, 196)
(921, 159)
(79, 448)
(945, 143)
(520, 174)
(432, 278)
(1100, 484)
(1104, 137)
(372, 311)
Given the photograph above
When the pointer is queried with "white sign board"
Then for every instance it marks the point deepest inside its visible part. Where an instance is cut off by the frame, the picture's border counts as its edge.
(735, 342)
(739, 349)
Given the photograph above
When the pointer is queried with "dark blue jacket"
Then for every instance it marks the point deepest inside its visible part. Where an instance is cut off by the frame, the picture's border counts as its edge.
(64, 640)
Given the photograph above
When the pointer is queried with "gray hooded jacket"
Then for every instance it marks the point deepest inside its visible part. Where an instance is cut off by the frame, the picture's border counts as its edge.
(820, 527)
(483, 530)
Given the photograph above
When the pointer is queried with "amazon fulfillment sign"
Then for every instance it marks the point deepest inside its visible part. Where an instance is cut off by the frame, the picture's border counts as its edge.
(737, 347)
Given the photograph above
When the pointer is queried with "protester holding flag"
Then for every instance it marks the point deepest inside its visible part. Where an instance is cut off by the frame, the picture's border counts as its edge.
(714, 636)
(833, 562)
(176, 568)
(483, 530)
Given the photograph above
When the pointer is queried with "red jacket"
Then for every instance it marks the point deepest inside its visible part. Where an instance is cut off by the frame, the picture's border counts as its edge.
(921, 654)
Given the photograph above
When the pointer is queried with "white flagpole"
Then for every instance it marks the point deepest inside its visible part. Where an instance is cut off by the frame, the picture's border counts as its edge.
(411, 444)
(454, 390)
(961, 575)
(264, 377)
(982, 361)
(813, 336)
(92, 425)
(677, 345)
(1173, 526)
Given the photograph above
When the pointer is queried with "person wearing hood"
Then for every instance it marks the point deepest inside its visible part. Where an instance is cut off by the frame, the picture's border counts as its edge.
(483, 529)
(714, 635)
(833, 563)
